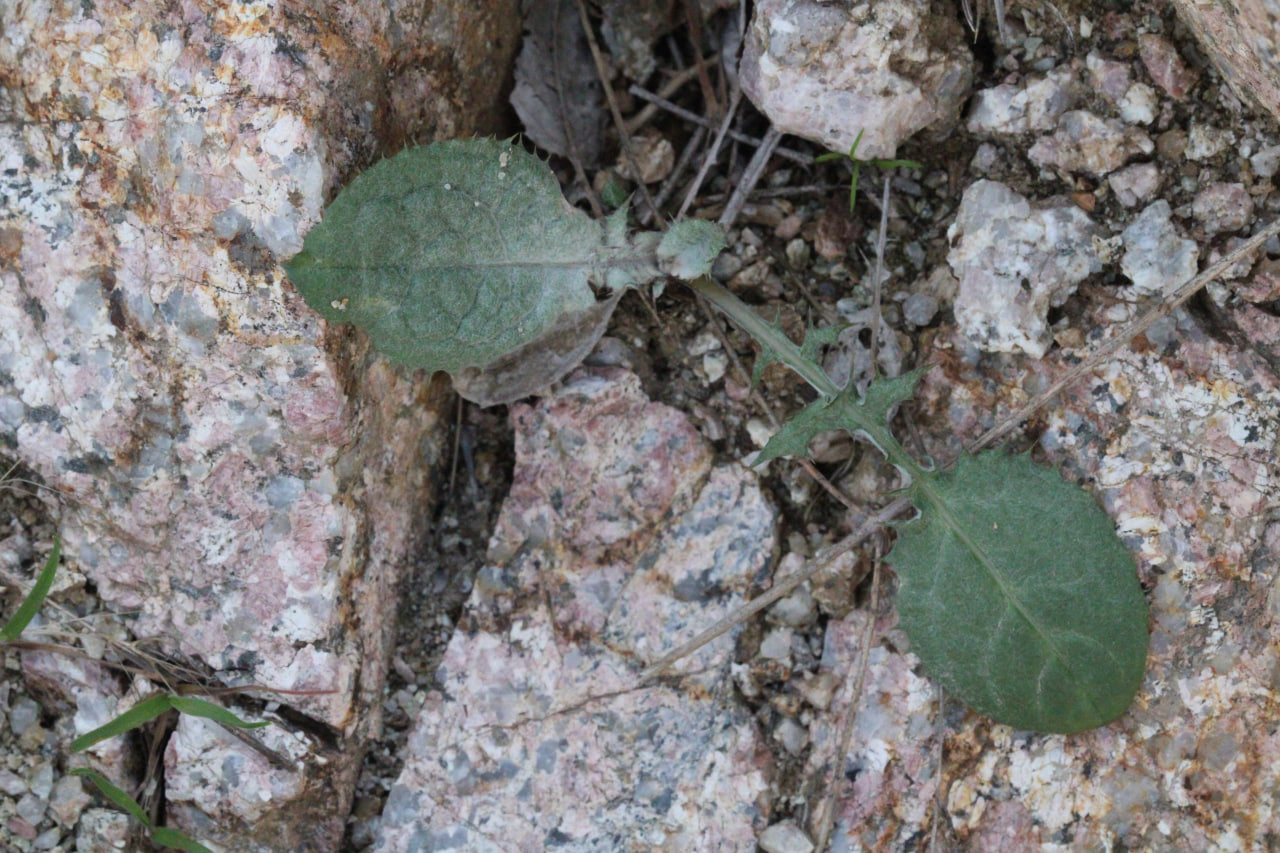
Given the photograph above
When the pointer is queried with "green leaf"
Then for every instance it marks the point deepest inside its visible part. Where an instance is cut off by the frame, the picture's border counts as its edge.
(137, 716)
(865, 417)
(689, 248)
(457, 253)
(208, 710)
(166, 837)
(814, 340)
(1017, 595)
(117, 796)
(30, 605)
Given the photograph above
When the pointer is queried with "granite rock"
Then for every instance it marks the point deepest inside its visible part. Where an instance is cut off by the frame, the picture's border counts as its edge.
(619, 541)
(1014, 262)
(227, 459)
(829, 71)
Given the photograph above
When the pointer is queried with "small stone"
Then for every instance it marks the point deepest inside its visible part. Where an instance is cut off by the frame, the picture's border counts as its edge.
(759, 431)
(1156, 259)
(1134, 184)
(47, 840)
(41, 781)
(818, 690)
(703, 343)
(1083, 142)
(752, 276)
(1110, 78)
(714, 365)
(102, 830)
(1223, 207)
(1172, 145)
(1165, 65)
(726, 267)
(789, 227)
(796, 609)
(1266, 162)
(1014, 263)
(68, 800)
(31, 809)
(798, 253)
(654, 158)
(1035, 106)
(785, 837)
(23, 715)
(793, 736)
(984, 158)
(1205, 142)
(919, 309)
(776, 644)
(1139, 105)
(11, 783)
(881, 72)
(21, 828)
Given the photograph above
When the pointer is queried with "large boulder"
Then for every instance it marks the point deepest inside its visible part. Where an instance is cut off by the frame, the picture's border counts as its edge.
(241, 479)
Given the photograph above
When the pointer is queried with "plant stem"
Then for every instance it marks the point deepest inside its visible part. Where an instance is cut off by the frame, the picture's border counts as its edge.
(771, 338)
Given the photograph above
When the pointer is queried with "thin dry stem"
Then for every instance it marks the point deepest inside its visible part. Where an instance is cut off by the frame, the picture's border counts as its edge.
(693, 118)
(619, 122)
(876, 285)
(781, 588)
(828, 813)
(692, 193)
(750, 177)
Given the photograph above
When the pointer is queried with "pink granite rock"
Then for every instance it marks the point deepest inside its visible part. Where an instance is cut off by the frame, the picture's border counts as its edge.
(1239, 37)
(1176, 437)
(618, 542)
(228, 463)
(827, 71)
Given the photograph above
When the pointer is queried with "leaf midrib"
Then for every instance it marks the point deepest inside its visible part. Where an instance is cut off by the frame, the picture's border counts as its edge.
(944, 513)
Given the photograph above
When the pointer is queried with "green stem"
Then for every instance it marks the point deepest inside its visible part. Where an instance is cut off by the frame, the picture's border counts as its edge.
(771, 338)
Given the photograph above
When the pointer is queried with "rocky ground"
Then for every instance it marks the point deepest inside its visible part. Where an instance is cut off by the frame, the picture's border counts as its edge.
(1098, 158)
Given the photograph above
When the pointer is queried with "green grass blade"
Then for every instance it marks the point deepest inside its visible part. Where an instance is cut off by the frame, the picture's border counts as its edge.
(31, 604)
(210, 711)
(166, 837)
(114, 794)
(139, 715)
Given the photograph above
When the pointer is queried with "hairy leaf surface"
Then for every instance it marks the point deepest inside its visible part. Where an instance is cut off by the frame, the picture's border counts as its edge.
(1018, 596)
(450, 255)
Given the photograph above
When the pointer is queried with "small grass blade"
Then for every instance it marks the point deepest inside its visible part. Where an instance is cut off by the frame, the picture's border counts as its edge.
(210, 711)
(117, 796)
(31, 604)
(166, 837)
(139, 715)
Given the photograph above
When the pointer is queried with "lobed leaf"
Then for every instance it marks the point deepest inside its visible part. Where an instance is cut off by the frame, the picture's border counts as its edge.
(1017, 595)
(689, 248)
(865, 417)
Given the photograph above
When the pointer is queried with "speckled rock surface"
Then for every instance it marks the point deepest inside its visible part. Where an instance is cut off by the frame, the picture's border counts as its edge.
(827, 71)
(1177, 438)
(619, 541)
(1241, 38)
(226, 462)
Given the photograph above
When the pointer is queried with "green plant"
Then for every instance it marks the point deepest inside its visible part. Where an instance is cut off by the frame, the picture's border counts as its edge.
(857, 163)
(1014, 590)
(137, 716)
